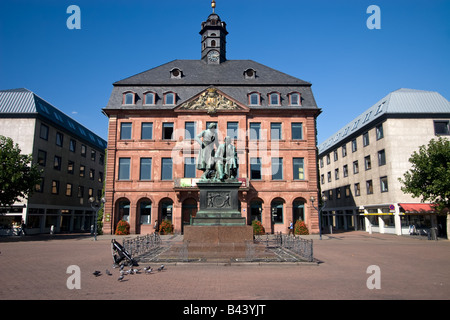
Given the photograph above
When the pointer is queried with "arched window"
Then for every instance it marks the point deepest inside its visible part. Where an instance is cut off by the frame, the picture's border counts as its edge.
(274, 99)
(149, 98)
(254, 99)
(294, 99)
(128, 98)
(169, 98)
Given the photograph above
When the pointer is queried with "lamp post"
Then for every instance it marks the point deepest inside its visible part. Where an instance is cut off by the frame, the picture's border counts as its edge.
(324, 198)
(96, 206)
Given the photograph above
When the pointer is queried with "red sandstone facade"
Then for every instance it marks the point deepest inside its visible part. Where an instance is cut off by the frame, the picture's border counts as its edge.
(145, 191)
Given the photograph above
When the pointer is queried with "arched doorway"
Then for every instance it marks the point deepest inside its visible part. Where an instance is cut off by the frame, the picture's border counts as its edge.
(166, 210)
(256, 207)
(189, 210)
(276, 210)
(145, 214)
(298, 209)
(122, 211)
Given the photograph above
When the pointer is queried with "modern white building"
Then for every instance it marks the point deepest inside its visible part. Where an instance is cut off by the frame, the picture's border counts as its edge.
(71, 157)
(360, 165)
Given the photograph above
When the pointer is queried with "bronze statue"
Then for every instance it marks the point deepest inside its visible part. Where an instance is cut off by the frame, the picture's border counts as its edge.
(205, 160)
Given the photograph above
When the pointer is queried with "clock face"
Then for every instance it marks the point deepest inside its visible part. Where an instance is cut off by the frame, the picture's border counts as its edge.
(213, 56)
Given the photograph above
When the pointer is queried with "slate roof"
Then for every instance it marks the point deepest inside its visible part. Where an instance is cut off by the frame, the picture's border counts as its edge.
(198, 76)
(402, 102)
(22, 102)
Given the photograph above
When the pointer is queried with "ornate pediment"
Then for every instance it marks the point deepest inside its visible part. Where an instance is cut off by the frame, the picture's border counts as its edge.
(211, 101)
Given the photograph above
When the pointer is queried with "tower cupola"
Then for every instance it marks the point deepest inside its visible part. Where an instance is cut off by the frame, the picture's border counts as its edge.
(214, 32)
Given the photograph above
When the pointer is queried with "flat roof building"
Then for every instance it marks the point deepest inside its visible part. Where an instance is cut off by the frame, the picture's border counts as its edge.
(72, 159)
(360, 165)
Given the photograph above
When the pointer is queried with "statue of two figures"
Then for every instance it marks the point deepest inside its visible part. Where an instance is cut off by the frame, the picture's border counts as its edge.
(219, 164)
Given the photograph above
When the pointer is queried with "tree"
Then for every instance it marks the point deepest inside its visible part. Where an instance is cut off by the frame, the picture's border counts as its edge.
(18, 176)
(429, 176)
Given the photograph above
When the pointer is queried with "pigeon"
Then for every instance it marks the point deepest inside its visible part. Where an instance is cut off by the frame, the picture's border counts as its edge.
(121, 267)
(148, 269)
(120, 278)
(108, 272)
(161, 268)
(96, 273)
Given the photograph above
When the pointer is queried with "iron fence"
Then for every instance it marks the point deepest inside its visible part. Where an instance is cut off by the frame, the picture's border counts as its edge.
(300, 246)
(142, 244)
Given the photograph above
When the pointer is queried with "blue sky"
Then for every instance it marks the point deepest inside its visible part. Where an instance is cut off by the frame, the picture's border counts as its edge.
(324, 42)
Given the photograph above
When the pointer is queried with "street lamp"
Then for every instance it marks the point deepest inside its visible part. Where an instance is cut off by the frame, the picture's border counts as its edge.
(96, 206)
(324, 198)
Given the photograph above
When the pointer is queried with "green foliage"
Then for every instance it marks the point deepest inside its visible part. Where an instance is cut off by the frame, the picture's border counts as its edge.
(258, 227)
(300, 228)
(123, 228)
(18, 176)
(429, 176)
(166, 227)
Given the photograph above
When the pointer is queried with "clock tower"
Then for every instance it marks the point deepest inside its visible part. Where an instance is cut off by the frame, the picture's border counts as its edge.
(214, 32)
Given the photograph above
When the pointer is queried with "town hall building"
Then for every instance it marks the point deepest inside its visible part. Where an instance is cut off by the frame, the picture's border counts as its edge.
(155, 117)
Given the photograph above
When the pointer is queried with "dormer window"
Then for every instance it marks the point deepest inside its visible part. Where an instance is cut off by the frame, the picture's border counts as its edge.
(149, 98)
(129, 98)
(274, 99)
(176, 73)
(169, 98)
(250, 74)
(294, 99)
(254, 99)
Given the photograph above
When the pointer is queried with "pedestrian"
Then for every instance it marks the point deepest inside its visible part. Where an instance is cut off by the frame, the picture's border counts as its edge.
(22, 228)
(291, 228)
(155, 226)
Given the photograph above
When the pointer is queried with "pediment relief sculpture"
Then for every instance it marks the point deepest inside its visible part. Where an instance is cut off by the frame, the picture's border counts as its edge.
(211, 101)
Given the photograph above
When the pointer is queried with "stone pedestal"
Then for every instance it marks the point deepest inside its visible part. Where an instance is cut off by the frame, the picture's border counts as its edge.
(219, 204)
(218, 231)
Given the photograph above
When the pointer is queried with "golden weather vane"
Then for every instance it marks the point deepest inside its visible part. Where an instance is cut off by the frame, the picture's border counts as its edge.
(213, 5)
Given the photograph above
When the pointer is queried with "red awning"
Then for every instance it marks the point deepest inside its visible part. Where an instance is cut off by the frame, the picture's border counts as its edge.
(417, 207)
